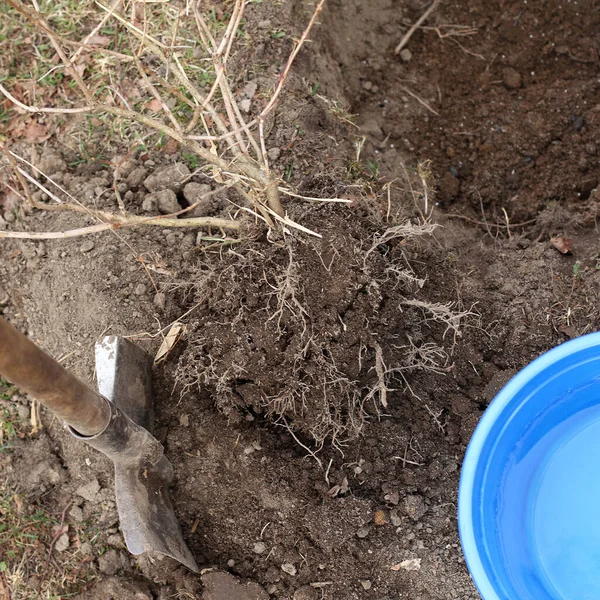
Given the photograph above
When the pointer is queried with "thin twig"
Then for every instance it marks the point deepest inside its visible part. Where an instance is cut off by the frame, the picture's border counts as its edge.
(420, 100)
(416, 26)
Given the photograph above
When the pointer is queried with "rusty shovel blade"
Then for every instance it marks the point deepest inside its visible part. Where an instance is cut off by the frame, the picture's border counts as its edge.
(143, 474)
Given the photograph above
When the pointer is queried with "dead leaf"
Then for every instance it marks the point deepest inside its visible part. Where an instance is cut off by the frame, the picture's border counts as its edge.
(175, 333)
(410, 564)
(99, 40)
(154, 105)
(35, 133)
(562, 244)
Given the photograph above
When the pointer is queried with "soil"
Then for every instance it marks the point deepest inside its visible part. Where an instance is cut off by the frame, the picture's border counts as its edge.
(296, 470)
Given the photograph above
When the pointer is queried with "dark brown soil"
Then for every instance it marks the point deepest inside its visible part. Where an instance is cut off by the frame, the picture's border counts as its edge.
(269, 407)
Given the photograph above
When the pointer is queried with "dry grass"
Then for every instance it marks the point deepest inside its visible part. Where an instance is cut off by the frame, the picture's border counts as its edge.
(30, 566)
(165, 70)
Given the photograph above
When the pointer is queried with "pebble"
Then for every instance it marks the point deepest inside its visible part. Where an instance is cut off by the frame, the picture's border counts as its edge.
(366, 584)
(87, 246)
(86, 549)
(363, 532)
(259, 547)
(9, 216)
(274, 153)
(367, 85)
(62, 543)
(406, 55)
(231, 563)
(160, 300)
(140, 289)
(76, 514)
(289, 568)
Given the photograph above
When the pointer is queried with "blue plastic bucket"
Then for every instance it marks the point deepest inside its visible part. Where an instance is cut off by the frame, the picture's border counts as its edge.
(529, 496)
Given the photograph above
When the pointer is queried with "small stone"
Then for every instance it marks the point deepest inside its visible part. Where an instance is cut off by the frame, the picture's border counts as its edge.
(76, 514)
(406, 55)
(231, 563)
(89, 490)
(136, 177)
(512, 78)
(140, 289)
(395, 519)
(366, 584)
(245, 104)
(250, 89)
(184, 420)
(274, 153)
(289, 568)
(363, 532)
(367, 85)
(87, 246)
(9, 216)
(22, 410)
(62, 543)
(167, 202)
(122, 187)
(259, 547)
(160, 300)
(150, 204)
(306, 592)
(86, 549)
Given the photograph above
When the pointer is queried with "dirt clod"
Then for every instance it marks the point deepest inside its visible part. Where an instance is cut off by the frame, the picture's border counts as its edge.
(306, 592)
(166, 201)
(112, 561)
(89, 490)
(171, 178)
(223, 586)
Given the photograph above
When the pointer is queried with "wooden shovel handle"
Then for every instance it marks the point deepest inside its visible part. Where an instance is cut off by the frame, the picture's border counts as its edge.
(35, 372)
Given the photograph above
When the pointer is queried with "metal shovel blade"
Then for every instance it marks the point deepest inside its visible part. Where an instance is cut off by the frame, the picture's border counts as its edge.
(143, 473)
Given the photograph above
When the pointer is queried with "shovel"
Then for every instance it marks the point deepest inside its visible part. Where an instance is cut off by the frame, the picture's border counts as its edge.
(118, 422)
